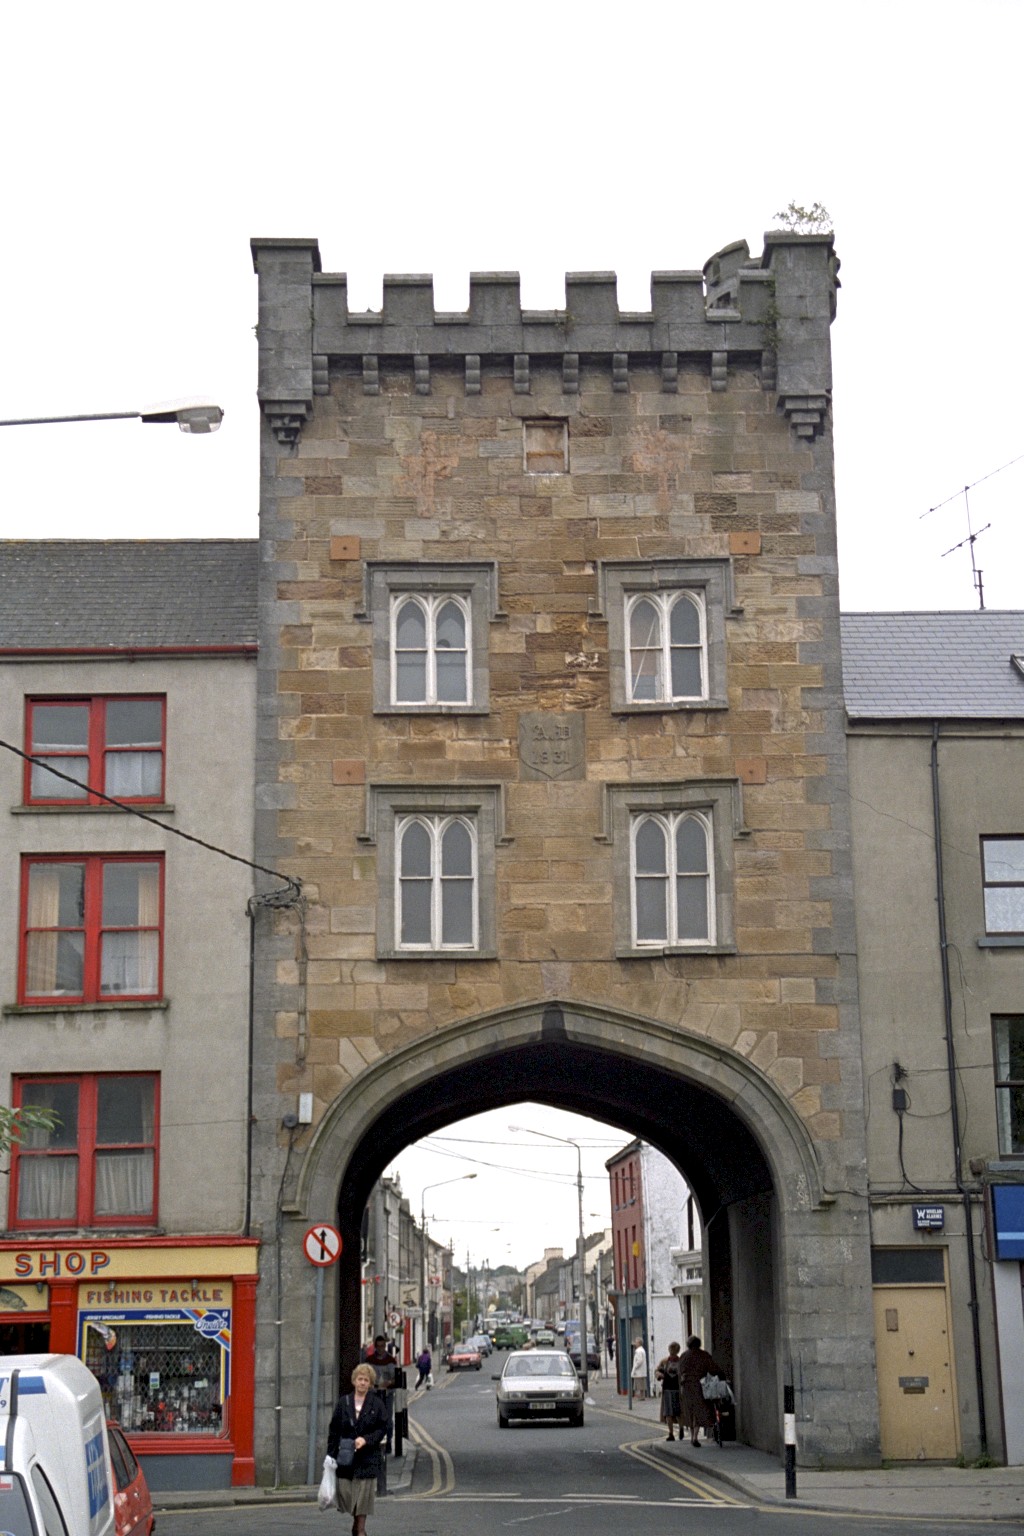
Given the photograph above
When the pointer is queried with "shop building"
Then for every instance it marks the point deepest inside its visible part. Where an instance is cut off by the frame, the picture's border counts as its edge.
(127, 685)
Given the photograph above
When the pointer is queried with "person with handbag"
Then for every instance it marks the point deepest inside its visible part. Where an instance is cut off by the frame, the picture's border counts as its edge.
(694, 1364)
(358, 1425)
(668, 1374)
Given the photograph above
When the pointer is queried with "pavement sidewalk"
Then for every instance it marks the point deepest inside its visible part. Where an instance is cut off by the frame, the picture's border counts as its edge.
(927, 1491)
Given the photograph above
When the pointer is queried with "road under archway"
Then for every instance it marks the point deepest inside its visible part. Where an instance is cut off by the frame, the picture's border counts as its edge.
(742, 1149)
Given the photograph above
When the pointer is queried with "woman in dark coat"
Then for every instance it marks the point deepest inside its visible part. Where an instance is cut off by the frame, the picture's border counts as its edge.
(671, 1390)
(361, 1417)
(695, 1363)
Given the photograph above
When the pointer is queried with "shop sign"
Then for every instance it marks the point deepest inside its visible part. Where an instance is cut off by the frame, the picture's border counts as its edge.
(1008, 1214)
(176, 1293)
(23, 1298)
(56, 1263)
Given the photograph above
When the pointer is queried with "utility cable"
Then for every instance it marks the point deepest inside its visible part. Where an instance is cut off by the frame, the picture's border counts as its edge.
(292, 886)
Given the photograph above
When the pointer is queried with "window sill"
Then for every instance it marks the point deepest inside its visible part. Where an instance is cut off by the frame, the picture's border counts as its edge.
(673, 951)
(134, 1006)
(669, 706)
(431, 709)
(150, 807)
(437, 954)
(1002, 941)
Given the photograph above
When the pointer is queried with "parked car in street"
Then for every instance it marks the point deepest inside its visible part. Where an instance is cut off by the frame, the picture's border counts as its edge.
(482, 1342)
(464, 1357)
(133, 1507)
(539, 1384)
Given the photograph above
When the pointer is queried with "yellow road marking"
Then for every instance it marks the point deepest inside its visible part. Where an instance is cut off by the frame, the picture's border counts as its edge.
(642, 1451)
(441, 1465)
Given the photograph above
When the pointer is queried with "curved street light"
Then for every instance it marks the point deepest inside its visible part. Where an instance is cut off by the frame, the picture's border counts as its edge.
(193, 416)
(581, 1246)
(423, 1236)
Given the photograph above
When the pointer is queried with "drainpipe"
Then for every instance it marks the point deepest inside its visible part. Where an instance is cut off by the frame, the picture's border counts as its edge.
(947, 1004)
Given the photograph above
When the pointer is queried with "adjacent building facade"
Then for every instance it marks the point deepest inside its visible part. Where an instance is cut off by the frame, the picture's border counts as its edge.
(936, 709)
(127, 675)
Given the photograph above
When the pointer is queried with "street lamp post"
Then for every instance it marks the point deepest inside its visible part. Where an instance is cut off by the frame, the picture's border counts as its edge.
(580, 1243)
(190, 415)
(423, 1239)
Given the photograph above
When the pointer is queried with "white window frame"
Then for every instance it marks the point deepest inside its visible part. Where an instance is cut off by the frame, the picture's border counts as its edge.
(664, 603)
(391, 806)
(719, 805)
(436, 827)
(669, 822)
(990, 883)
(431, 604)
(622, 583)
(473, 584)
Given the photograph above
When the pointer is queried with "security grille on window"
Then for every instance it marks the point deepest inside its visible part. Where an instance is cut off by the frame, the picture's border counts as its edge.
(111, 745)
(673, 880)
(430, 650)
(159, 1378)
(1002, 860)
(91, 929)
(97, 1165)
(436, 894)
(1009, 1060)
(667, 647)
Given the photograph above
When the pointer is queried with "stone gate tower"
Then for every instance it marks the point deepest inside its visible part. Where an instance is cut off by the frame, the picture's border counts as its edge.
(551, 731)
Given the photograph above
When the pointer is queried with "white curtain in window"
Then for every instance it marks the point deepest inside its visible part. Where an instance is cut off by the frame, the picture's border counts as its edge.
(124, 1183)
(47, 1188)
(130, 775)
(131, 960)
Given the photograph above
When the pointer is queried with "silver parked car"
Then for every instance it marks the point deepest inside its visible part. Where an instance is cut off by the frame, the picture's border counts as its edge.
(539, 1384)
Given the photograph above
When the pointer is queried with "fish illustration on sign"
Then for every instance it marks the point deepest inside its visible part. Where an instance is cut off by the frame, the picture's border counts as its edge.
(12, 1300)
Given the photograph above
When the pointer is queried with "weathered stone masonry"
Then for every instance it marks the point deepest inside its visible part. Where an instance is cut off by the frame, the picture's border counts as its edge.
(411, 449)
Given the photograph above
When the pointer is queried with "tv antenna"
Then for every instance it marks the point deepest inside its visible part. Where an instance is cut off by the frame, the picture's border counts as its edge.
(973, 535)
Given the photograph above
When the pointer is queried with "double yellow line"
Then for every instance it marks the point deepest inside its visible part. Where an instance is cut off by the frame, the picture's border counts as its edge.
(642, 1451)
(442, 1468)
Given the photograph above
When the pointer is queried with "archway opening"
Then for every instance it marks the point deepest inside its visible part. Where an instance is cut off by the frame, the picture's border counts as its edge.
(695, 1127)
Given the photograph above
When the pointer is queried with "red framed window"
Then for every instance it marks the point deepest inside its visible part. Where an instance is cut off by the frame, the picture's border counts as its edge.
(91, 928)
(111, 744)
(98, 1166)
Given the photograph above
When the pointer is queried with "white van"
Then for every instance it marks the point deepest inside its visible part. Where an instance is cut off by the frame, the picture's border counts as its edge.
(54, 1456)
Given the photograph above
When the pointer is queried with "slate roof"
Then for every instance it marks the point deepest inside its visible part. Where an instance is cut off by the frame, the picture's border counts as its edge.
(127, 593)
(933, 665)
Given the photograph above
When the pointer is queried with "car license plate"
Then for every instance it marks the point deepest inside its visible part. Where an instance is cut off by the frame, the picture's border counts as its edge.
(544, 1407)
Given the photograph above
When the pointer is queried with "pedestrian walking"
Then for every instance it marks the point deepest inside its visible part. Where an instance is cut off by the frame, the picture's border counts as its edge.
(694, 1364)
(668, 1373)
(359, 1421)
(424, 1365)
(638, 1370)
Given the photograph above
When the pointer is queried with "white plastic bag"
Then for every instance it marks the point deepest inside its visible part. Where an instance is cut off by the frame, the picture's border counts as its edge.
(328, 1494)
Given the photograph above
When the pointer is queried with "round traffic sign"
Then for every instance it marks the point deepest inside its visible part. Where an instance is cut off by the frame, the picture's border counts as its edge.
(322, 1244)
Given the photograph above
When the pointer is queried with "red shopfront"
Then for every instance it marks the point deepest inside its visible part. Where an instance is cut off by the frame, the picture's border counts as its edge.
(168, 1327)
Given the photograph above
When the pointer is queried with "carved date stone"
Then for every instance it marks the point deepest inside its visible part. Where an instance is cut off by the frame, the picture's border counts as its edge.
(551, 746)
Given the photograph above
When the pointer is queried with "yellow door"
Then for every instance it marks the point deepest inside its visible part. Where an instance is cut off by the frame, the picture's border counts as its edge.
(916, 1394)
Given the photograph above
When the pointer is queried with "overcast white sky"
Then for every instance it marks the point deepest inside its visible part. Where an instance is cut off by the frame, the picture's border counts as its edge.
(145, 145)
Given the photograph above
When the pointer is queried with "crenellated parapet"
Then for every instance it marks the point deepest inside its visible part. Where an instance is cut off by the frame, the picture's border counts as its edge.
(771, 312)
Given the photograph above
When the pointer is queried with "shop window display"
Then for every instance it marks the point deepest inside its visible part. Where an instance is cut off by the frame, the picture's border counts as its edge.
(159, 1378)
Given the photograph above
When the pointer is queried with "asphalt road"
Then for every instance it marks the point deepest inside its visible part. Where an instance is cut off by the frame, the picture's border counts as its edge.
(606, 1479)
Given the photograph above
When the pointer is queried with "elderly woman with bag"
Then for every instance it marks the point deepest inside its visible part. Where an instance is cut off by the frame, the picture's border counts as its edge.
(358, 1425)
(694, 1364)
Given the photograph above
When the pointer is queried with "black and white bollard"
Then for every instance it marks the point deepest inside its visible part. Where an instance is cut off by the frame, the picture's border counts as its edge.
(789, 1435)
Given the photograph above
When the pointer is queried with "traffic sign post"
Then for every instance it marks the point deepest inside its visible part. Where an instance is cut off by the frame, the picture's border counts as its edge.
(322, 1247)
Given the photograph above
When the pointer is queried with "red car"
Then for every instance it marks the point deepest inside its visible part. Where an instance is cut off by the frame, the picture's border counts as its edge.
(463, 1357)
(133, 1507)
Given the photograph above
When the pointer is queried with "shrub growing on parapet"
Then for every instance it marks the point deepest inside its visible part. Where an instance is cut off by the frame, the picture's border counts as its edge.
(815, 220)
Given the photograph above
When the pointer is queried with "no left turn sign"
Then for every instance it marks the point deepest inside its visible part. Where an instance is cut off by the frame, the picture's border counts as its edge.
(322, 1245)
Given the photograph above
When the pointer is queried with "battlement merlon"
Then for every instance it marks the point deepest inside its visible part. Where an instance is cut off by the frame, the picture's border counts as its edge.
(774, 310)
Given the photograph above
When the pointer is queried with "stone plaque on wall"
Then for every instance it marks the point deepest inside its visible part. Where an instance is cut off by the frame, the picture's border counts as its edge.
(551, 746)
